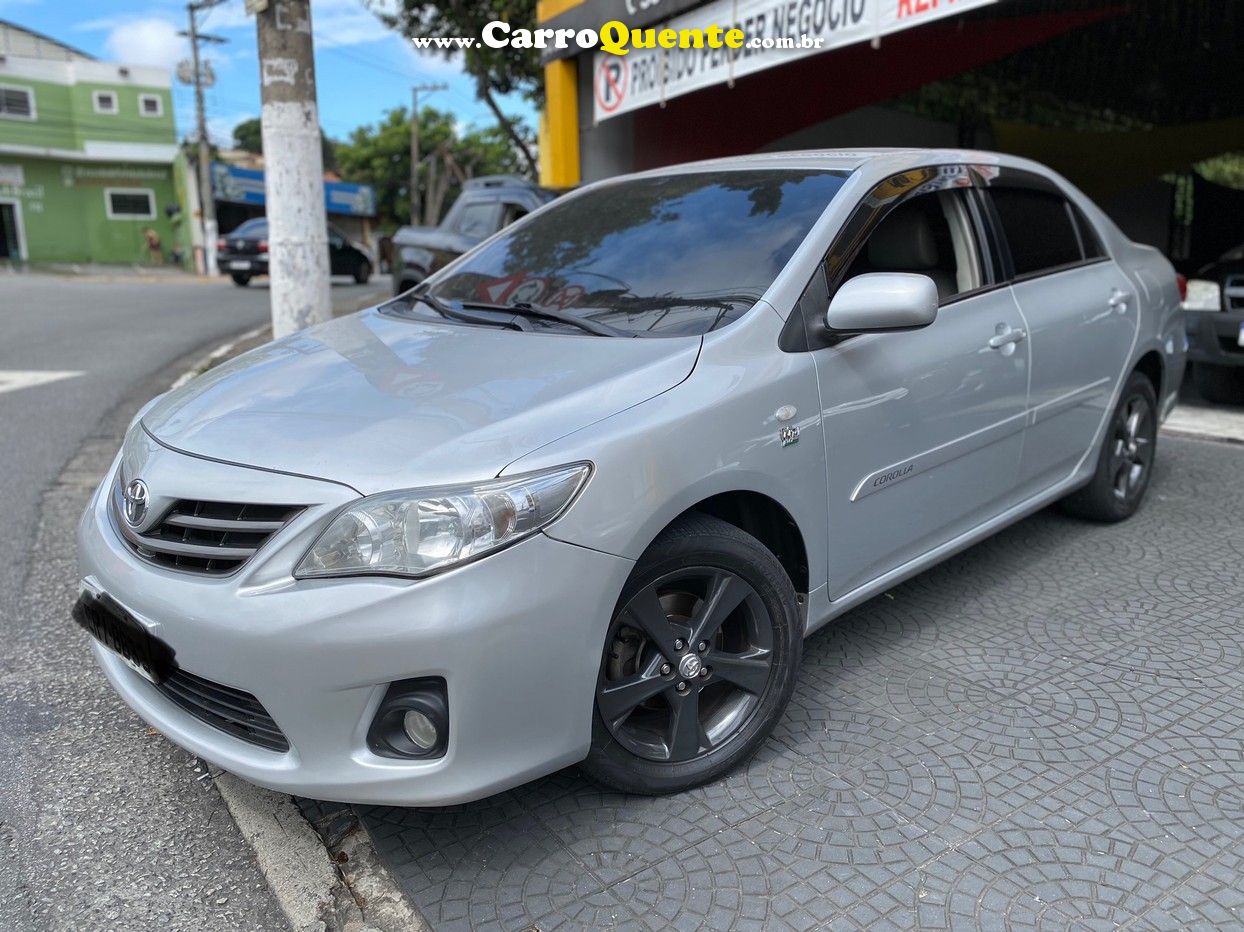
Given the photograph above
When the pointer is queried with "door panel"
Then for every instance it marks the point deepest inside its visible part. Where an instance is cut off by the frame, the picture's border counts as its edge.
(1082, 324)
(923, 434)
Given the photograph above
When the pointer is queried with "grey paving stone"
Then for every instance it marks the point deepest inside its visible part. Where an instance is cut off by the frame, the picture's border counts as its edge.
(1045, 732)
(1210, 900)
(615, 835)
(1026, 876)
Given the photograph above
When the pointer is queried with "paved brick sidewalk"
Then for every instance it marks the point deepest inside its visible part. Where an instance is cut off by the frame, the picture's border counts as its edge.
(1045, 732)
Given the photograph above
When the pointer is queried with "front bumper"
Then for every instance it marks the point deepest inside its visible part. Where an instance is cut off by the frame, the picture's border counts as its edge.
(1213, 337)
(517, 637)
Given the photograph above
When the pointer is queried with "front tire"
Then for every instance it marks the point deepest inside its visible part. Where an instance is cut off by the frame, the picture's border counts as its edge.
(1222, 385)
(362, 272)
(705, 596)
(1125, 463)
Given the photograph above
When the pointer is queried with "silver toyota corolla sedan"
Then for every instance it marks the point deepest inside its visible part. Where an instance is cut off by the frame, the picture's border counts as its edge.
(579, 497)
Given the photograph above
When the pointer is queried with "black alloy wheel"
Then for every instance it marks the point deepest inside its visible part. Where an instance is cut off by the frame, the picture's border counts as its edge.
(690, 656)
(699, 660)
(1125, 461)
(1131, 447)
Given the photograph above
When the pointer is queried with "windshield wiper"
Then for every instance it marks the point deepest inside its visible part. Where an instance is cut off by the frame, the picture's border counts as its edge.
(426, 297)
(524, 309)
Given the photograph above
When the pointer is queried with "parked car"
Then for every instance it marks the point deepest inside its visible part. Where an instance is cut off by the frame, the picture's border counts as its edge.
(486, 205)
(243, 254)
(1215, 314)
(581, 495)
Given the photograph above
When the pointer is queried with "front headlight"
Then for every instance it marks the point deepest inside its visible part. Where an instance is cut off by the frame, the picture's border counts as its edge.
(1203, 295)
(417, 532)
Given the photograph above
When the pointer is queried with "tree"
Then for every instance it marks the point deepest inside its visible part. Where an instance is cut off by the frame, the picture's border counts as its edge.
(248, 136)
(379, 155)
(496, 71)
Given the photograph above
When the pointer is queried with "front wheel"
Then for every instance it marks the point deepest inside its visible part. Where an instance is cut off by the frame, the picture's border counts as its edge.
(362, 272)
(699, 660)
(1125, 462)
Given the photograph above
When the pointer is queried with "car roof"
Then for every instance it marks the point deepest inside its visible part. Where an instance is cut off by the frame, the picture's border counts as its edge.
(878, 163)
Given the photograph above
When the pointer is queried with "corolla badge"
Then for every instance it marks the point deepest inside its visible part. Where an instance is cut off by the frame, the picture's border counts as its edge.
(136, 499)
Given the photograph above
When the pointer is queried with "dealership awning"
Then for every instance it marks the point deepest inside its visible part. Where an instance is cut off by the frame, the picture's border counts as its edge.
(237, 185)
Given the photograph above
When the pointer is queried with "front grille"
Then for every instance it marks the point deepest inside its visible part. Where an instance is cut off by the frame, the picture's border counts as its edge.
(1233, 293)
(231, 710)
(205, 537)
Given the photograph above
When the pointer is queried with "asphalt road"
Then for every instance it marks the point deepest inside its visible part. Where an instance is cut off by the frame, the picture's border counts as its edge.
(101, 824)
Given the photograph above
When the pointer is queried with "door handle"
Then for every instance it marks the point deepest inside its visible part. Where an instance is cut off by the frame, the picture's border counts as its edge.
(1119, 300)
(1011, 336)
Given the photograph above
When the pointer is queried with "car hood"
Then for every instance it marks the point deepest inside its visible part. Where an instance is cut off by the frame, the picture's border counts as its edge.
(378, 402)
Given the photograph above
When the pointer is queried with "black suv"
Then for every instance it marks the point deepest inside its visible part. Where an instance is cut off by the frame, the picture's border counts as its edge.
(243, 254)
(485, 205)
(1214, 311)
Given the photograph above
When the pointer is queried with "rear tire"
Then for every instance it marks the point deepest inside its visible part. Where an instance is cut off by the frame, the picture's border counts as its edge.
(362, 272)
(672, 726)
(1125, 462)
(241, 279)
(1222, 385)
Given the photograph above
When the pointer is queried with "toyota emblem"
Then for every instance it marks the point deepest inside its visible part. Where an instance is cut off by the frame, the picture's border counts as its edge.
(136, 500)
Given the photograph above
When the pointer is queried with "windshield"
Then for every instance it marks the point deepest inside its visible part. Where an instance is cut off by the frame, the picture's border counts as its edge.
(669, 256)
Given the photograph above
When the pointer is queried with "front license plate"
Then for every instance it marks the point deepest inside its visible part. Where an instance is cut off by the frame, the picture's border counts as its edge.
(239, 264)
(109, 623)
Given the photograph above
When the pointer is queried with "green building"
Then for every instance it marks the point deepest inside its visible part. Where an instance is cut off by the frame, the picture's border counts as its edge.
(89, 161)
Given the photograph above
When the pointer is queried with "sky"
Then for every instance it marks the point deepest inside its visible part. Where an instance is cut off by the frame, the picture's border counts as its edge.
(362, 68)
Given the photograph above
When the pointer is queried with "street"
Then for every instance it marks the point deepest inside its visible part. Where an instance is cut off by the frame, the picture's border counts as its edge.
(101, 824)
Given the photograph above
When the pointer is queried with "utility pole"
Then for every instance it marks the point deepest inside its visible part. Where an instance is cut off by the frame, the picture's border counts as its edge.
(415, 199)
(293, 166)
(207, 206)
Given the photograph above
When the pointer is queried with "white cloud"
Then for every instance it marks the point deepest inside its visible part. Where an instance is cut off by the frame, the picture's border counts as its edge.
(146, 42)
(220, 128)
(346, 22)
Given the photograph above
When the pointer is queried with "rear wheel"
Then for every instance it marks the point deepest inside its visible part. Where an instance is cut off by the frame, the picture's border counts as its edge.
(1126, 459)
(1219, 384)
(699, 661)
(362, 272)
(241, 279)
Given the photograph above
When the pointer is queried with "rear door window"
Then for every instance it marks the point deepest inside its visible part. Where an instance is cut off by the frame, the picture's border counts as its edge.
(1040, 230)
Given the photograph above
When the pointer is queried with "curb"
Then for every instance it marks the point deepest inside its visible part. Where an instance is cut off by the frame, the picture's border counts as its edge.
(291, 858)
(1206, 437)
(317, 858)
(218, 355)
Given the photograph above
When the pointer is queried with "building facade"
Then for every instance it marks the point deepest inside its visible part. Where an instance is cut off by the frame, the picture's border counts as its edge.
(1117, 97)
(89, 166)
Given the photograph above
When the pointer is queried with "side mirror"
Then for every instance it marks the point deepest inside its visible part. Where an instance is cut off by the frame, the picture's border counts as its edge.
(883, 301)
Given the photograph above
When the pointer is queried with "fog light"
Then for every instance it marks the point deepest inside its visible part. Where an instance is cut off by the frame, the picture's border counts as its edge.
(420, 730)
(412, 721)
